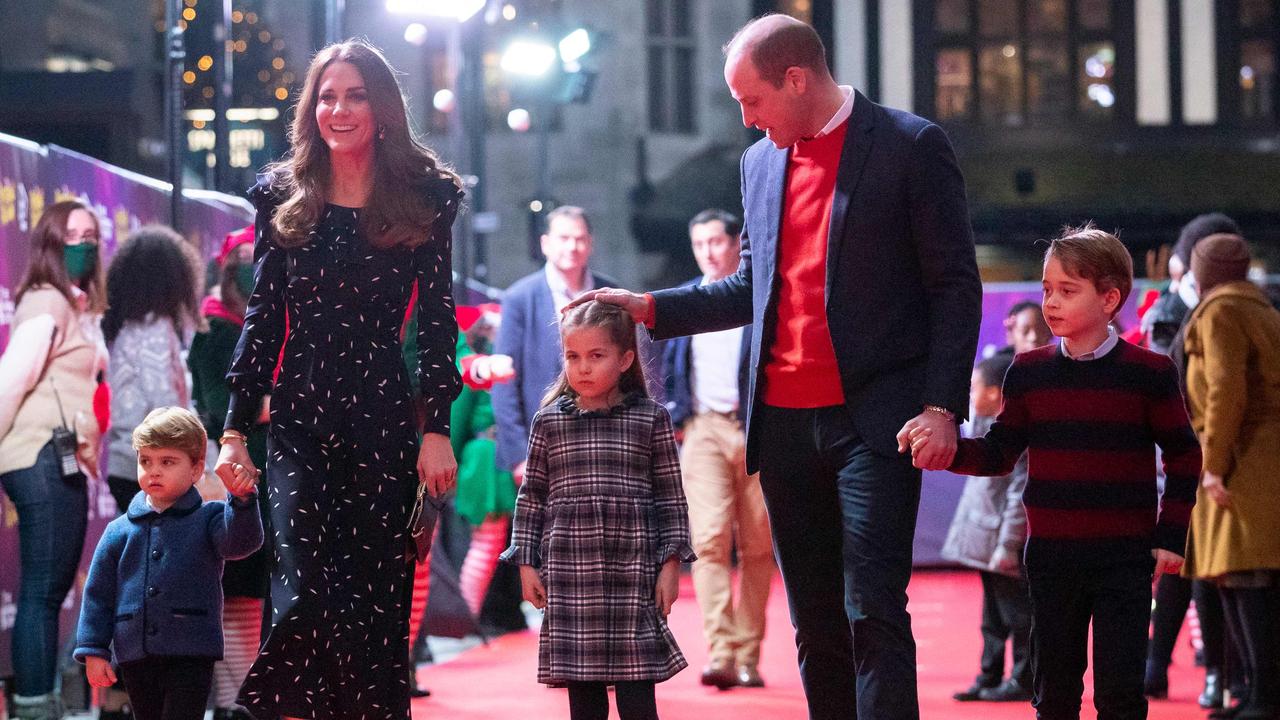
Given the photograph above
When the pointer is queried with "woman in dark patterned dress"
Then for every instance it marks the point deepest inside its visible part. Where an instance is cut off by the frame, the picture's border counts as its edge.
(346, 225)
(601, 524)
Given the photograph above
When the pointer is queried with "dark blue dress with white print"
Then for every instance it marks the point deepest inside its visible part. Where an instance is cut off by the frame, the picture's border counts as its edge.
(342, 451)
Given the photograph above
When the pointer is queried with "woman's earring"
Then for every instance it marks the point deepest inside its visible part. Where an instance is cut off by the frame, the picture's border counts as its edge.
(382, 132)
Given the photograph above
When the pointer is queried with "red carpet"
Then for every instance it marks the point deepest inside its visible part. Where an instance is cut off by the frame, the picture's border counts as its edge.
(498, 681)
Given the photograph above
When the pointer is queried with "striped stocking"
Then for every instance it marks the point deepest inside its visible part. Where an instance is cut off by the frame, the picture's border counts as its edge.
(487, 543)
(241, 633)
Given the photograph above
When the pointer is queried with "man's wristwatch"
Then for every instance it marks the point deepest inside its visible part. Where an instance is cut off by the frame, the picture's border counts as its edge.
(941, 411)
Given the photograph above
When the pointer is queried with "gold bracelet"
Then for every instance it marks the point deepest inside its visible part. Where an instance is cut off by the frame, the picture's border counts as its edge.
(232, 435)
(941, 411)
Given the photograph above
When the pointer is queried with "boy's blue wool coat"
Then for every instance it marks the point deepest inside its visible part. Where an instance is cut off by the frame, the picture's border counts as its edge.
(155, 584)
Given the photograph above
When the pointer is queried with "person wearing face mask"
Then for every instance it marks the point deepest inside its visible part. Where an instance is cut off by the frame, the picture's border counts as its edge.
(1165, 318)
(49, 435)
(1233, 392)
(244, 582)
(1165, 325)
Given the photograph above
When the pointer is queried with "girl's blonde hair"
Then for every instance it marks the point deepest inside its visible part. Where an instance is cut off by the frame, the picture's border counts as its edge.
(622, 333)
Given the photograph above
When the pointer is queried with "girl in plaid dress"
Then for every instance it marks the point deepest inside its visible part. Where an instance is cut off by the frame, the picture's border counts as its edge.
(601, 525)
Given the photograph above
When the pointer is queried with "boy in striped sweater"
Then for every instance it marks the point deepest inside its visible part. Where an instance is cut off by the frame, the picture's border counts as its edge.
(1090, 412)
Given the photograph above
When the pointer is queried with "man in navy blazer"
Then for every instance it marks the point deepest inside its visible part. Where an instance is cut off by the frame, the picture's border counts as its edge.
(706, 391)
(858, 278)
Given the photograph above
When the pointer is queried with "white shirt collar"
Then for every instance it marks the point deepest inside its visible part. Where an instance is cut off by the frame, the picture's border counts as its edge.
(560, 288)
(1107, 346)
(842, 114)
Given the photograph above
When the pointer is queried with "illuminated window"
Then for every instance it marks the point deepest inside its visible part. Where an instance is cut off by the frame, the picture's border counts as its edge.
(1015, 62)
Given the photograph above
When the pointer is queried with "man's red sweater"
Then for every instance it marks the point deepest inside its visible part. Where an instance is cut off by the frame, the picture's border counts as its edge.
(801, 371)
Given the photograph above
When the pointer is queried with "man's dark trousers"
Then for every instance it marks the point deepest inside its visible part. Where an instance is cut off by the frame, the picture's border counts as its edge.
(843, 519)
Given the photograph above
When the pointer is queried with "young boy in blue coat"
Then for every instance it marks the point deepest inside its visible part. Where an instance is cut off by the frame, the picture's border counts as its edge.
(154, 593)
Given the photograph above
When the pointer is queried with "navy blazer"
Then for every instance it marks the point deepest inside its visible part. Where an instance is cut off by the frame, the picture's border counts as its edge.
(155, 583)
(677, 372)
(903, 296)
(530, 334)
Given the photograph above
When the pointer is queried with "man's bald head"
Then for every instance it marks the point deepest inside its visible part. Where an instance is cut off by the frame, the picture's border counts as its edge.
(776, 42)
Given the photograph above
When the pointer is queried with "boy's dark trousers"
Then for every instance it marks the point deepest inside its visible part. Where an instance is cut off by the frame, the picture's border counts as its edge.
(1064, 598)
(168, 688)
(1006, 616)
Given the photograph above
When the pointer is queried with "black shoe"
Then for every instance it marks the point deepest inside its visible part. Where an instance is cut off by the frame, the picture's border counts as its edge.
(418, 692)
(972, 693)
(1155, 684)
(719, 675)
(1007, 691)
(1211, 697)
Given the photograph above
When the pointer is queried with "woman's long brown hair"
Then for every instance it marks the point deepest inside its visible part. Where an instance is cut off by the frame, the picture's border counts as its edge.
(411, 189)
(622, 333)
(47, 264)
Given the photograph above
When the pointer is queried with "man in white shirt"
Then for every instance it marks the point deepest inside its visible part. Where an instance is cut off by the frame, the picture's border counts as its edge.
(706, 386)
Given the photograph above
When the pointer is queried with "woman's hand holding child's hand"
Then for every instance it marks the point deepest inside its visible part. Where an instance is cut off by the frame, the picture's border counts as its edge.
(98, 671)
(532, 588)
(668, 588)
(243, 480)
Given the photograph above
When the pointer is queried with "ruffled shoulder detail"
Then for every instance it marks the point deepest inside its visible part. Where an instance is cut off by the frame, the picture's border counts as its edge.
(447, 197)
(267, 192)
(569, 406)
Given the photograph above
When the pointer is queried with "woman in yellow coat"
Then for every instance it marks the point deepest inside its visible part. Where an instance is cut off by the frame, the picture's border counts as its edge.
(1233, 389)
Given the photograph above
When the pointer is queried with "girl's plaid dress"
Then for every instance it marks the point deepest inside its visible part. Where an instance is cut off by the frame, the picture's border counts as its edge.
(600, 509)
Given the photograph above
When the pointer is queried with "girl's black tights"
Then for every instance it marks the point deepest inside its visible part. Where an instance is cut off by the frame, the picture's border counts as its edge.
(590, 700)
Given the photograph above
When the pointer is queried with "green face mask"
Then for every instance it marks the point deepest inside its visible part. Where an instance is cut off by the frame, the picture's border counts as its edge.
(244, 280)
(80, 260)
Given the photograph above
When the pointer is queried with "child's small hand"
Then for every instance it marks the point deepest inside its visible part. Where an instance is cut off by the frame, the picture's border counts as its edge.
(98, 671)
(1003, 561)
(243, 480)
(532, 588)
(668, 588)
(1167, 561)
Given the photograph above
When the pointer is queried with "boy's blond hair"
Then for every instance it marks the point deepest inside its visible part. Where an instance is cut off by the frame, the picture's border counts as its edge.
(1095, 255)
(172, 427)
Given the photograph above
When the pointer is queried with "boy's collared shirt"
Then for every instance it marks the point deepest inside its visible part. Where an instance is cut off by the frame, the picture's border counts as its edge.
(1101, 351)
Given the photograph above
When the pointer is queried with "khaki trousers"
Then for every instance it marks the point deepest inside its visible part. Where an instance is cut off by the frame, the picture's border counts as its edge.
(725, 502)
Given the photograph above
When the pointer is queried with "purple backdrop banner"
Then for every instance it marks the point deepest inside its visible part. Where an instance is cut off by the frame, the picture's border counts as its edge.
(32, 177)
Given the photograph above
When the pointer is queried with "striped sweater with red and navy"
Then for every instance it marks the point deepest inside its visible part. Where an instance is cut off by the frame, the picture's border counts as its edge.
(1091, 429)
